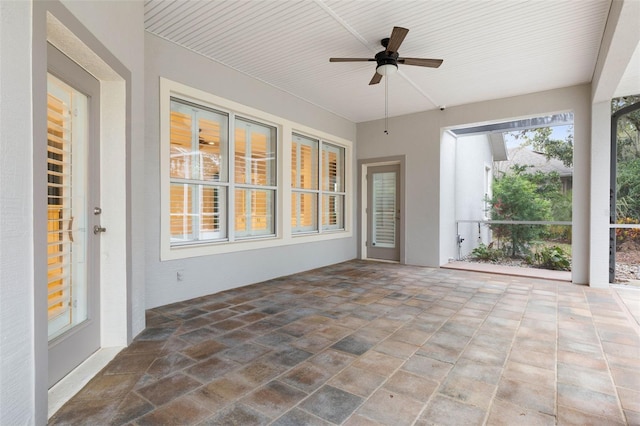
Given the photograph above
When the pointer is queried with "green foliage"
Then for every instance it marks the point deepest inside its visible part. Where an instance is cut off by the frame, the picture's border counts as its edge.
(549, 187)
(628, 130)
(551, 257)
(628, 186)
(483, 252)
(515, 197)
(628, 234)
(628, 158)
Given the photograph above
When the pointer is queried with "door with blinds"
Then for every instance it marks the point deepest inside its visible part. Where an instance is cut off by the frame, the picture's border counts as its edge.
(383, 212)
(72, 214)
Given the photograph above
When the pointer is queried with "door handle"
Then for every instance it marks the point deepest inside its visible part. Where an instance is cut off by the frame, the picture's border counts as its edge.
(97, 229)
(70, 229)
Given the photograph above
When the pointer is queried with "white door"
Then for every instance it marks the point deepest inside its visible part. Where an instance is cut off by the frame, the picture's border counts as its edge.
(73, 211)
(383, 212)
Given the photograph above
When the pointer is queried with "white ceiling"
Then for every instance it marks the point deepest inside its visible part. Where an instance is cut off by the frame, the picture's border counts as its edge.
(491, 48)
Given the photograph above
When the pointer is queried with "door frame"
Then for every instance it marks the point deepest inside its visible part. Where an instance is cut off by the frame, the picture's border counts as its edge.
(79, 336)
(363, 165)
(52, 22)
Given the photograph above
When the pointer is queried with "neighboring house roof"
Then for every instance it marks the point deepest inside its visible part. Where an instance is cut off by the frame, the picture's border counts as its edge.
(523, 156)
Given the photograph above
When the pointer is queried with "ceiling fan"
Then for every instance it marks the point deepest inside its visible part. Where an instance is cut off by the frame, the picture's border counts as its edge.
(388, 59)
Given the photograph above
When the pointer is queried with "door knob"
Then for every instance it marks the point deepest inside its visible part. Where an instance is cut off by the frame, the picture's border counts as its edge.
(98, 229)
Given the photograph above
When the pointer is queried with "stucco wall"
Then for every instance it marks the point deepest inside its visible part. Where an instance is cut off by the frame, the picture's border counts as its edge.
(211, 274)
(473, 154)
(17, 355)
(23, 347)
(419, 136)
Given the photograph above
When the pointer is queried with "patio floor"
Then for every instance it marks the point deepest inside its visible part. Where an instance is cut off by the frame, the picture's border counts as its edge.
(363, 343)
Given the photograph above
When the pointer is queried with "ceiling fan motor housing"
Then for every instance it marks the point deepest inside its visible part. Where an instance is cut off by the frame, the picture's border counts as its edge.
(387, 58)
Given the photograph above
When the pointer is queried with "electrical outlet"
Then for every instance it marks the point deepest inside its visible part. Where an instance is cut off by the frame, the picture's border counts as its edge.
(179, 275)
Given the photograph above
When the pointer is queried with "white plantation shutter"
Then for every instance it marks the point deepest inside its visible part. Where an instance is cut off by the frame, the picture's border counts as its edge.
(255, 178)
(198, 173)
(59, 217)
(304, 184)
(384, 203)
(332, 164)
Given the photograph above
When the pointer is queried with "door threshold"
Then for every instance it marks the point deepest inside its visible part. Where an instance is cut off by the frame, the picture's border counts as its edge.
(381, 260)
(71, 384)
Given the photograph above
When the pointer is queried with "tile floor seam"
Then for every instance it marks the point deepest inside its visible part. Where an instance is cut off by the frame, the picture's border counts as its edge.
(625, 309)
(494, 396)
(379, 386)
(289, 370)
(335, 375)
(440, 384)
(451, 302)
(604, 353)
(556, 403)
(389, 376)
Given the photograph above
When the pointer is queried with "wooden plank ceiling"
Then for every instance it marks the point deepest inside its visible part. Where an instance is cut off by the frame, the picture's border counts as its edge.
(491, 49)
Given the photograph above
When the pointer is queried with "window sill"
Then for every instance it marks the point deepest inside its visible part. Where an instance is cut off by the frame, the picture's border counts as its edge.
(208, 249)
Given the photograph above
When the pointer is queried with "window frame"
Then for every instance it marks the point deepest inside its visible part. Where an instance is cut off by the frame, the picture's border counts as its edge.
(200, 184)
(314, 191)
(320, 190)
(282, 209)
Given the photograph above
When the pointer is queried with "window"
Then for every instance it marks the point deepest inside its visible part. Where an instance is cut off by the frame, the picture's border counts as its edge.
(306, 192)
(202, 196)
(333, 187)
(198, 173)
(304, 184)
(226, 187)
(255, 178)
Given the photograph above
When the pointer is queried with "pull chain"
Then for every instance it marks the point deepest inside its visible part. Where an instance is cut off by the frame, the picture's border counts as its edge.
(386, 105)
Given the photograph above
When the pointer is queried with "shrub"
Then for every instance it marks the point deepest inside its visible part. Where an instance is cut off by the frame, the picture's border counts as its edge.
(552, 257)
(627, 234)
(484, 252)
(515, 198)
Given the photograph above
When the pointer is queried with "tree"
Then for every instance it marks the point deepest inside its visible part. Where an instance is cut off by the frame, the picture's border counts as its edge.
(549, 187)
(515, 197)
(540, 140)
(628, 189)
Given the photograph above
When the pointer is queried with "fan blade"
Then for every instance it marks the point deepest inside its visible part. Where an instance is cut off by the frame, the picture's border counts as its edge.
(397, 37)
(431, 63)
(376, 79)
(351, 59)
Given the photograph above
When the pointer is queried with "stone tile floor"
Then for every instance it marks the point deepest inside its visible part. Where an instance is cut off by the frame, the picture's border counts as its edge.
(363, 343)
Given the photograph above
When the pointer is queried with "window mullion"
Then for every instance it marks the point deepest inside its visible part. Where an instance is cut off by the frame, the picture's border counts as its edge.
(195, 194)
(320, 187)
(231, 193)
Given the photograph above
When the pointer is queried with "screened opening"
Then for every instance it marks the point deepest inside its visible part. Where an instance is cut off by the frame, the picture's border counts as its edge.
(624, 262)
(513, 193)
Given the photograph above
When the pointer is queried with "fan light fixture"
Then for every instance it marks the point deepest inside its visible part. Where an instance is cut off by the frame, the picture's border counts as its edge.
(387, 69)
(387, 62)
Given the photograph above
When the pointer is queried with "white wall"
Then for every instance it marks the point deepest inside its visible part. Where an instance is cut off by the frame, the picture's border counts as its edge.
(473, 154)
(211, 274)
(418, 136)
(448, 198)
(17, 353)
(23, 31)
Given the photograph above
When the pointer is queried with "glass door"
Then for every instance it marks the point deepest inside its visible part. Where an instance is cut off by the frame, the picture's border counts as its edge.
(72, 191)
(383, 213)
